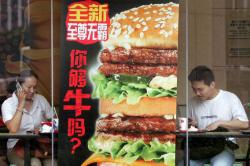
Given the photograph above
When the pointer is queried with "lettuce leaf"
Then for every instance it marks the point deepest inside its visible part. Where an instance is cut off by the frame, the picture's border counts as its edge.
(169, 159)
(130, 151)
(133, 95)
(129, 88)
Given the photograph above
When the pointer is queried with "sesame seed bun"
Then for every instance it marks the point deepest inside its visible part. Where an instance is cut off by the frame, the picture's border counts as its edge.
(150, 26)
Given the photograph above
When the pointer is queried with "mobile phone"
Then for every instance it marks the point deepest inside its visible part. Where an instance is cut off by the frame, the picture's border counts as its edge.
(18, 86)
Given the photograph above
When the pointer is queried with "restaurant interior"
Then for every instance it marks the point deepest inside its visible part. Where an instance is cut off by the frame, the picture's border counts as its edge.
(29, 40)
(208, 36)
(215, 33)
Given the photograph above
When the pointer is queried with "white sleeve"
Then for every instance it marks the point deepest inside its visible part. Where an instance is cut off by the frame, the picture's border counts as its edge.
(46, 108)
(191, 109)
(8, 111)
(238, 109)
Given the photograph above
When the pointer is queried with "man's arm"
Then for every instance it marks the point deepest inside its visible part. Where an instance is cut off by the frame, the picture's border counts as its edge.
(231, 125)
(239, 116)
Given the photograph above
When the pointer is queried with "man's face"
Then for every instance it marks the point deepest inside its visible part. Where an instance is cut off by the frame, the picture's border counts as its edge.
(29, 86)
(203, 91)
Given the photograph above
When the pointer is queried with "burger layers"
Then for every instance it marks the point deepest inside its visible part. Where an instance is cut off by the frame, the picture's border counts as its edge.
(136, 85)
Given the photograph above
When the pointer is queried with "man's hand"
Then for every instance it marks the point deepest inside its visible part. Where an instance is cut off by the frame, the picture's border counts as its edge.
(213, 126)
(192, 122)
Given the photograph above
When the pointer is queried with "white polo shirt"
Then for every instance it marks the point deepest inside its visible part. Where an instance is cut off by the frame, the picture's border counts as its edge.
(40, 111)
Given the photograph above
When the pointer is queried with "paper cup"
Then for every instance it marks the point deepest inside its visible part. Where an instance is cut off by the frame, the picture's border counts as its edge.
(183, 123)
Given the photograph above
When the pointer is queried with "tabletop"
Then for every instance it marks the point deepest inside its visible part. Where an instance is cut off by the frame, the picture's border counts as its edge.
(238, 134)
(19, 136)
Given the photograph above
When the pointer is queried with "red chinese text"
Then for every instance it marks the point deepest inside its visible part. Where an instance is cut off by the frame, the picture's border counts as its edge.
(78, 96)
(76, 127)
(87, 22)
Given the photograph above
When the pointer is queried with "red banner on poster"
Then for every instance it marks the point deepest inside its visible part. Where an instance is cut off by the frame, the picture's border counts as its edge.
(87, 22)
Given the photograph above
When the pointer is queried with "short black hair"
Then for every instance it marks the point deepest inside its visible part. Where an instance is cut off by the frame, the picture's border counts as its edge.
(202, 73)
(25, 74)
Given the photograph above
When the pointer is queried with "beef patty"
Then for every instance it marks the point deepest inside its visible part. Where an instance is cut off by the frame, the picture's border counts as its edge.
(139, 56)
(135, 124)
(137, 70)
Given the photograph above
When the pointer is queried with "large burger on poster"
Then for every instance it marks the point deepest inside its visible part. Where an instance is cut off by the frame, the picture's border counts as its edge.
(136, 86)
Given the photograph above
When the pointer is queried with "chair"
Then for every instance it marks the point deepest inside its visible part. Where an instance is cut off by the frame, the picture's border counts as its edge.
(242, 154)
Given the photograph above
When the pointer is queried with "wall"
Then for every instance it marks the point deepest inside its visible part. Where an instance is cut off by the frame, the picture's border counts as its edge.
(207, 43)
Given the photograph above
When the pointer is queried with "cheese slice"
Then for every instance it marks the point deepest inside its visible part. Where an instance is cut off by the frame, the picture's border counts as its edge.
(166, 83)
(96, 158)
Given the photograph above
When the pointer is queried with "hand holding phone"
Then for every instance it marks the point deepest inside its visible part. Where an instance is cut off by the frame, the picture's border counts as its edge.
(21, 95)
(18, 86)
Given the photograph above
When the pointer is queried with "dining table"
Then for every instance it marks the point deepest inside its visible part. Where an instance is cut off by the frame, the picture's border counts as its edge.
(211, 134)
(26, 137)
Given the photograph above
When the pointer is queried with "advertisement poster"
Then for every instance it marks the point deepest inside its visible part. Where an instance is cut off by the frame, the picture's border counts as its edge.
(119, 83)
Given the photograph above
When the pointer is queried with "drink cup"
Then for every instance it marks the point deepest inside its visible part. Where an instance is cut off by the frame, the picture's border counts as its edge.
(183, 123)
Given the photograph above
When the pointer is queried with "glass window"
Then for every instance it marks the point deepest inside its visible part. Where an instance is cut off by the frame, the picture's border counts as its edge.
(29, 41)
(215, 34)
